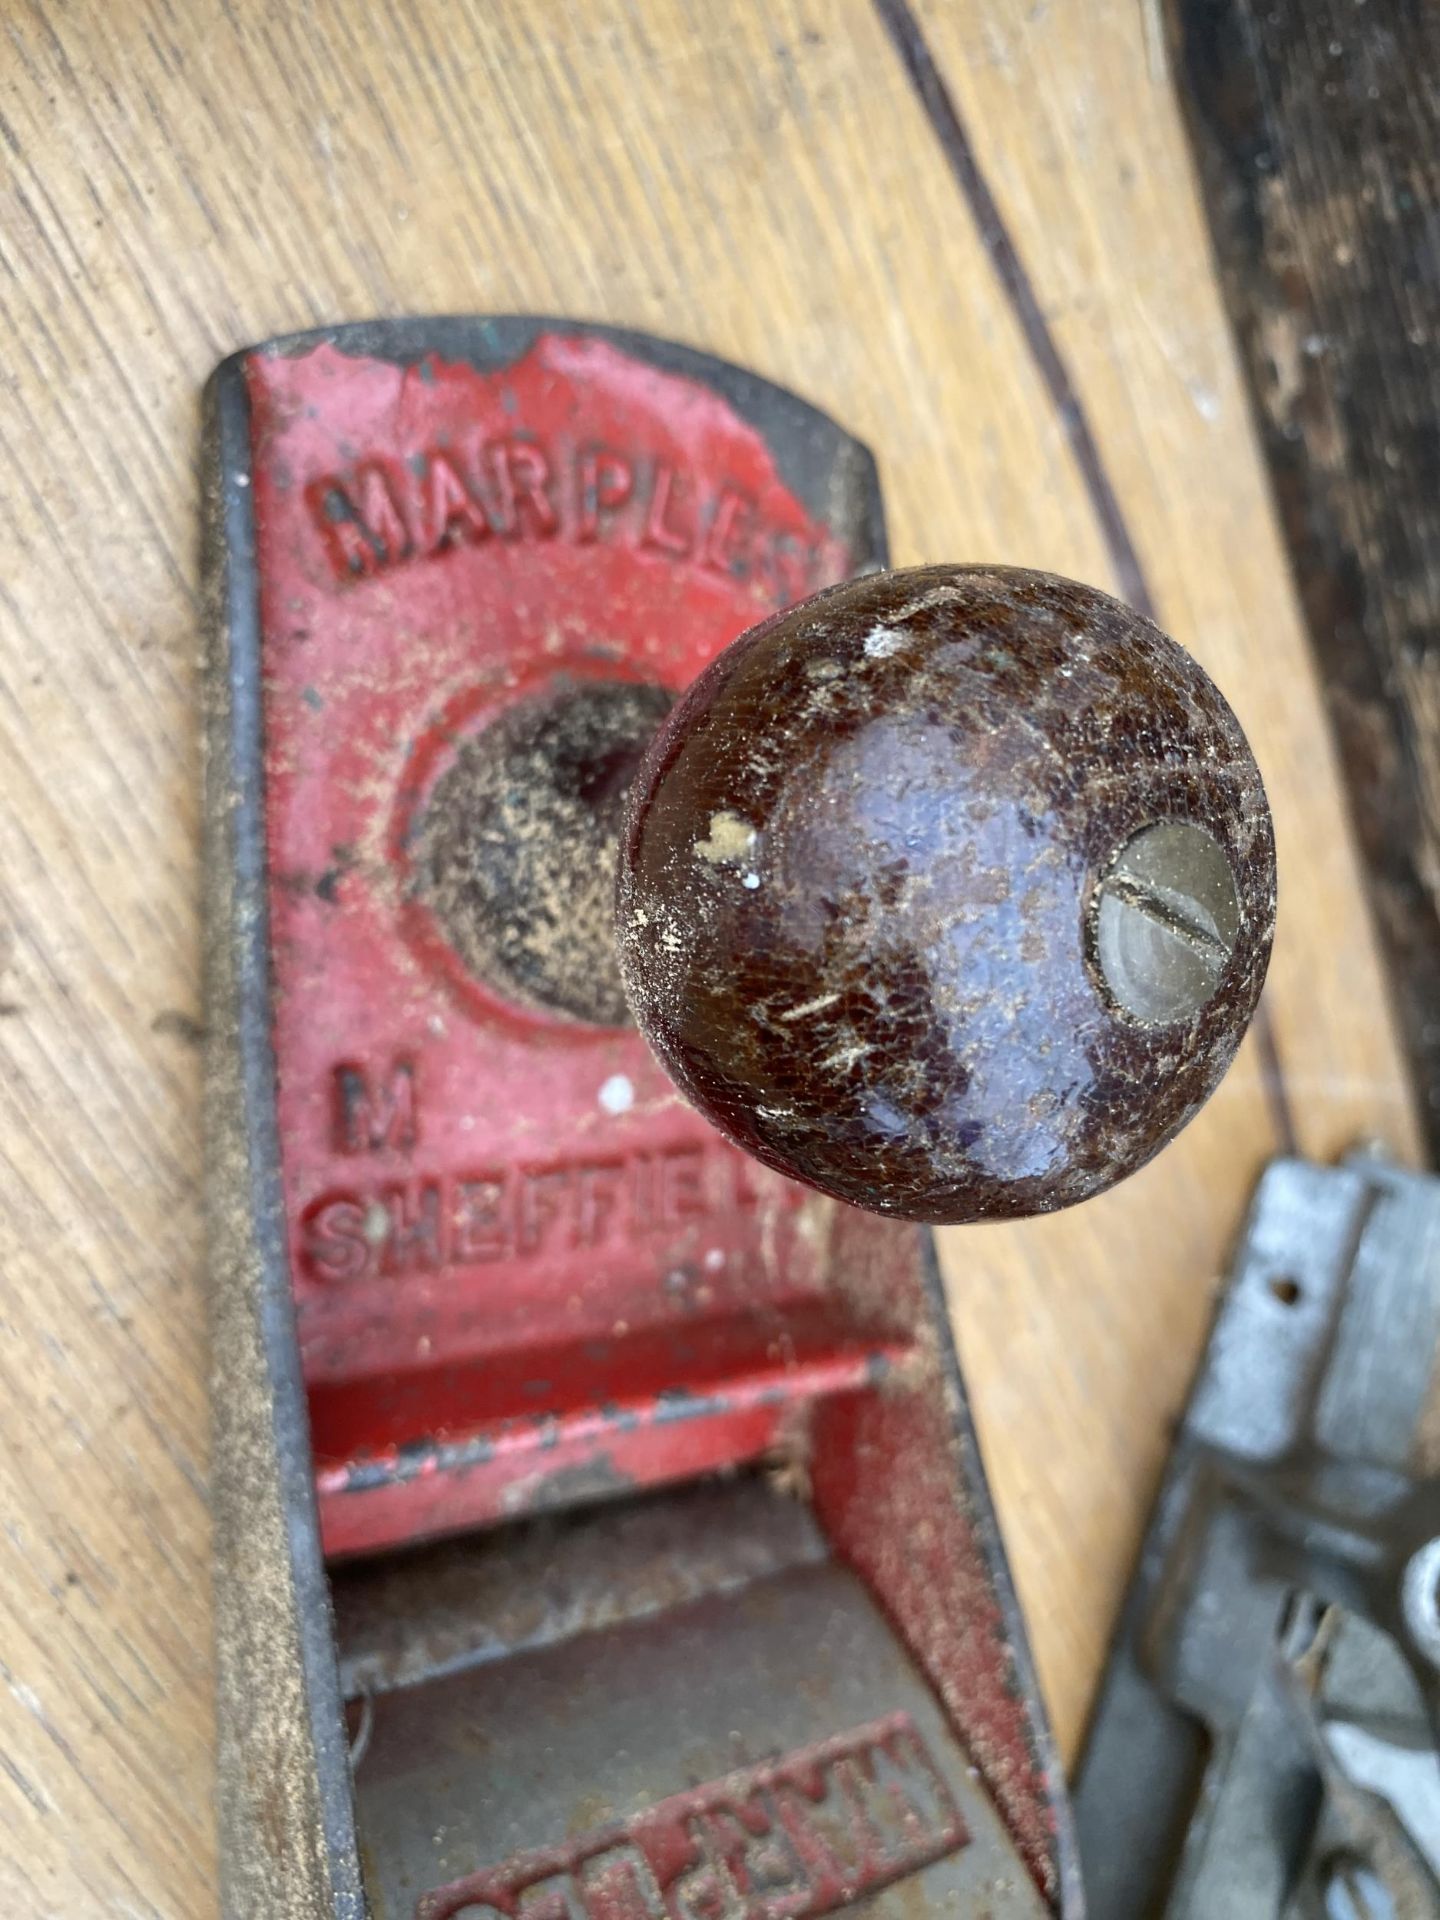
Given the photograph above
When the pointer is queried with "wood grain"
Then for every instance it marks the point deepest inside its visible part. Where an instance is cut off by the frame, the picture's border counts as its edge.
(763, 181)
(1315, 129)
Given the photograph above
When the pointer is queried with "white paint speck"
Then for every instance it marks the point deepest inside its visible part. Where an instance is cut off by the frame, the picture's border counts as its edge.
(714, 1260)
(881, 642)
(241, 479)
(751, 880)
(617, 1095)
(729, 838)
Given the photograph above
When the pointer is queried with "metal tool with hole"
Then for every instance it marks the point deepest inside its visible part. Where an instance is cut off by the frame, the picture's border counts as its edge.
(1265, 1743)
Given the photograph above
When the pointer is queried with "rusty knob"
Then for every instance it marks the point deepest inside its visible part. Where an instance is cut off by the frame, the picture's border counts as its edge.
(949, 892)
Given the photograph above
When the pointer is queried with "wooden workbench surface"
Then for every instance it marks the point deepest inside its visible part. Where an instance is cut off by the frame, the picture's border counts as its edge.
(992, 268)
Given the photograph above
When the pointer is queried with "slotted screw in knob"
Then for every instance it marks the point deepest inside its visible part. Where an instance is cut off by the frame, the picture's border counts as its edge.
(949, 892)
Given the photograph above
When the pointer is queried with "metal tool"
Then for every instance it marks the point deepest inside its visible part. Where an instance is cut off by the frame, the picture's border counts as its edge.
(599, 1525)
(1265, 1742)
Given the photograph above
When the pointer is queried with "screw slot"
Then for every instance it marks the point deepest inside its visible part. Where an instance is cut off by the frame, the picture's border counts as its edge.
(1165, 921)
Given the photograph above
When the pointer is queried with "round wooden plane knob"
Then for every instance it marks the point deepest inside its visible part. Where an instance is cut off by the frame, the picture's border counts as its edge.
(949, 892)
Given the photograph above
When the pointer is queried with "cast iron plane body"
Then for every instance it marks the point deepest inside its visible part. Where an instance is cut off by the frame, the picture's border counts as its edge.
(600, 1528)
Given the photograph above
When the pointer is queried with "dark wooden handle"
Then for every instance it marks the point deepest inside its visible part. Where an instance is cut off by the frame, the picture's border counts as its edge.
(949, 892)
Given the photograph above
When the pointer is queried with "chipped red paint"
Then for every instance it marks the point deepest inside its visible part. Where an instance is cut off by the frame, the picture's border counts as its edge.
(525, 1273)
(494, 1212)
(529, 1463)
(886, 1475)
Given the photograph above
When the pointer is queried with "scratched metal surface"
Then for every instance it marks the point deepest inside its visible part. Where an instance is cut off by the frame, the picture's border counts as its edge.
(438, 1609)
(548, 1753)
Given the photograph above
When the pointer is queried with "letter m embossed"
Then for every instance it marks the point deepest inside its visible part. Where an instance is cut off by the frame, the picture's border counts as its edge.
(374, 1112)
